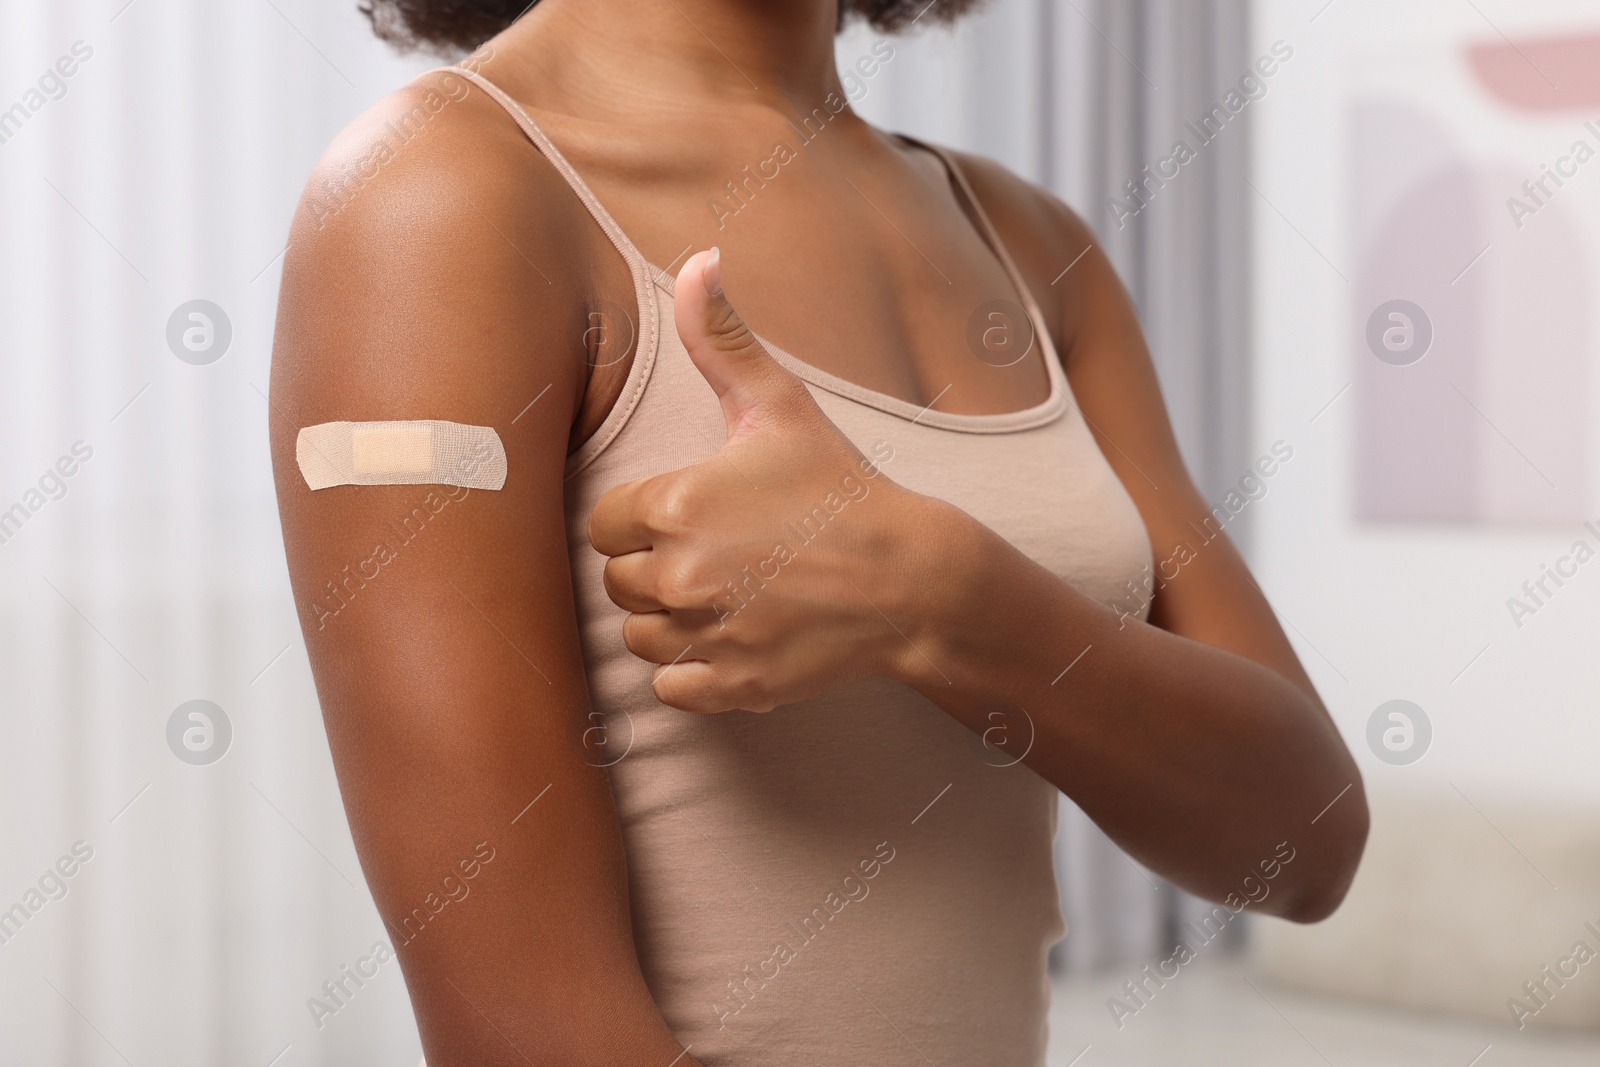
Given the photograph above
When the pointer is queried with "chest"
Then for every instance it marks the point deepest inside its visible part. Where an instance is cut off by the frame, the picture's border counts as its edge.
(856, 252)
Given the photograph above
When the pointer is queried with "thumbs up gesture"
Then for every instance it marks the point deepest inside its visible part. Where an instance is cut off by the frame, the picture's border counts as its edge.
(772, 570)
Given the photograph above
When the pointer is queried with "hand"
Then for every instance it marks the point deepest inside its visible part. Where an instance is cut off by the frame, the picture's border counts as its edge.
(757, 577)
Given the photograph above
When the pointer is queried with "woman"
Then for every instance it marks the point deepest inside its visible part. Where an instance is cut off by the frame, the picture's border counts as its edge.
(908, 511)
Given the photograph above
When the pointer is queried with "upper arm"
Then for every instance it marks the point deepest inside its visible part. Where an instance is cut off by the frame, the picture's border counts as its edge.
(440, 621)
(1204, 589)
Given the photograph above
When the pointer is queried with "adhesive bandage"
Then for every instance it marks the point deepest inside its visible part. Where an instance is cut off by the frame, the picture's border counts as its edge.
(421, 452)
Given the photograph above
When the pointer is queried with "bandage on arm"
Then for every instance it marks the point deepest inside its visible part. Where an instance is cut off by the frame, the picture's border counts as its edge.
(400, 452)
(450, 677)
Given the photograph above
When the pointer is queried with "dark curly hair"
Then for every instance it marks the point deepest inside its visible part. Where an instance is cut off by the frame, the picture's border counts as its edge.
(447, 26)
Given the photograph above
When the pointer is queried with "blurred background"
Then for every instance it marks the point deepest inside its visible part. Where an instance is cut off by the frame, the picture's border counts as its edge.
(1375, 249)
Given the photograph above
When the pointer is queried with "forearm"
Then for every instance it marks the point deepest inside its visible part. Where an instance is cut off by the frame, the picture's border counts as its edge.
(1196, 760)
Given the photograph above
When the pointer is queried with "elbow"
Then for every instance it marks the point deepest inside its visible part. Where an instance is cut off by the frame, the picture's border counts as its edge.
(1336, 851)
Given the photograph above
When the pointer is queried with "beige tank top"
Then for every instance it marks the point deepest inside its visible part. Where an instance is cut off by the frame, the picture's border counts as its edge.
(851, 881)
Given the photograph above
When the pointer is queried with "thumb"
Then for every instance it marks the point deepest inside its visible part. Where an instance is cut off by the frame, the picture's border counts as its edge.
(754, 388)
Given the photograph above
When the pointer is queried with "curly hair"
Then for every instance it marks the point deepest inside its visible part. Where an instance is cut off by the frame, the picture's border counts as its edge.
(447, 26)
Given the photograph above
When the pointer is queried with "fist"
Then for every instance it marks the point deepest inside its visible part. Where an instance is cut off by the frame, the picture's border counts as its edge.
(772, 570)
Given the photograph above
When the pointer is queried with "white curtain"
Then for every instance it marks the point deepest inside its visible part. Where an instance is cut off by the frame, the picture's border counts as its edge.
(164, 170)
(219, 897)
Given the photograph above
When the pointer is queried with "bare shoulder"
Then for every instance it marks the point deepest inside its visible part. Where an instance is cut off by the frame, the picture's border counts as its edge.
(431, 247)
(435, 151)
(1020, 207)
(1054, 248)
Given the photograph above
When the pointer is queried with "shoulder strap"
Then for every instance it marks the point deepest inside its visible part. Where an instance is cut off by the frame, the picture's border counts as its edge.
(635, 259)
(649, 322)
(991, 237)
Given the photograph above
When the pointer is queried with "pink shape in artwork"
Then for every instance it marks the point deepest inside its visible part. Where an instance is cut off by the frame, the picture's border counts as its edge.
(1554, 74)
(1491, 424)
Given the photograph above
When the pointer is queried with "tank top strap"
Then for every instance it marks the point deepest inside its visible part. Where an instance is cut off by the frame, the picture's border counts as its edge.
(991, 236)
(630, 252)
(646, 279)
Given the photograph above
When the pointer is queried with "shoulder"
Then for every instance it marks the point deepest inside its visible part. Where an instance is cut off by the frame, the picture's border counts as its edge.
(1056, 251)
(435, 160)
(1022, 207)
(432, 242)
(1035, 224)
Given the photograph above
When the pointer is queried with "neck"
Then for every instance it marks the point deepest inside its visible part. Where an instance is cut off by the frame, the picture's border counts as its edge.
(672, 54)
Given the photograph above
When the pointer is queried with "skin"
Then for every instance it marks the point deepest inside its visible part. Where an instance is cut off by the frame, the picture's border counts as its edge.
(456, 281)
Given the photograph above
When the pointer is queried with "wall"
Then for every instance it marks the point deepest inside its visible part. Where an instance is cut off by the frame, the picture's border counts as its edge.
(1410, 607)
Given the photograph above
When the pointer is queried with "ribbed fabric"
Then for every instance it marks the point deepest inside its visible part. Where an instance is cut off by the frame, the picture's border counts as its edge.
(849, 880)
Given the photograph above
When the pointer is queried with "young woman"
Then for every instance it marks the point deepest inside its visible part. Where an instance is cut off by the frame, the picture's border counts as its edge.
(884, 458)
